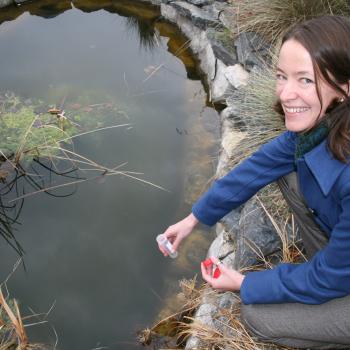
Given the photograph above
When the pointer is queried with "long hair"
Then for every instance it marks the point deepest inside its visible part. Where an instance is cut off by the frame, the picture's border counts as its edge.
(327, 40)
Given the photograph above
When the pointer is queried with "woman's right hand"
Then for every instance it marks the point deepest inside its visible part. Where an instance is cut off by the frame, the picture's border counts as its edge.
(177, 232)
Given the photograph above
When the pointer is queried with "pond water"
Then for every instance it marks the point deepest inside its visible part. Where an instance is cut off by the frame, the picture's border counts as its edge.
(92, 255)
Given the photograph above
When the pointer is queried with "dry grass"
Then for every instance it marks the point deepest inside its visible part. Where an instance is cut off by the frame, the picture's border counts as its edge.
(221, 340)
(170, 326)
(271, 18)
(12, 329)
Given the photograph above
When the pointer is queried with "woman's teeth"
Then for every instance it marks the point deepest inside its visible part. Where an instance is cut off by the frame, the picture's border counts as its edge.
(295, 109)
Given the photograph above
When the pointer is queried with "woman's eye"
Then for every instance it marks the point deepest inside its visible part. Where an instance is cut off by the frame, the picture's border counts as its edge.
(306, 81)
(280, 77)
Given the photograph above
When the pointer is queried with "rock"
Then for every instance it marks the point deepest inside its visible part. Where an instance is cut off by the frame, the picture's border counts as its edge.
(186, 16)
(220, 86)
(201, 19)
(237, 76)
(257, 236)
(4, 3)
(222, 48)
(197, 38)
(215, 8)
(222, 246)
(231, 221)
(227, 301)
(230, 112)
(200, 3)
(222, 54)
(210, 315)
(228, 17)
(20, 2)
(223, 165)
(230, 142)
(232, 134)
(204, 314)
(252, 49)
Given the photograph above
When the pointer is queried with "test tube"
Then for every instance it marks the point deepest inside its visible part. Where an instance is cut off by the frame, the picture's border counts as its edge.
(165, 243)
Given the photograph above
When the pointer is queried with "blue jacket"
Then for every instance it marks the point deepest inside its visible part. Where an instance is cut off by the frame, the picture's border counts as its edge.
(325, 184)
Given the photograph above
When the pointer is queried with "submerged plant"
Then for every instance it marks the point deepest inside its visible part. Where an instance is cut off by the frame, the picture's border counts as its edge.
(24, 134)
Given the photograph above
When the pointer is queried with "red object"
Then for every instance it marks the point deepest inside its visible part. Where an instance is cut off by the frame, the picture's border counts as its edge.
(207, 263)
(217, 273)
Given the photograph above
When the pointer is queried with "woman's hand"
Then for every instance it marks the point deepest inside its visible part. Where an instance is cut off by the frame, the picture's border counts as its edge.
(229, 279)
(177, 232)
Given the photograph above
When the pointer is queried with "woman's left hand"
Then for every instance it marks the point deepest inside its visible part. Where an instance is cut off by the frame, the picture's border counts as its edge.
(229, 279)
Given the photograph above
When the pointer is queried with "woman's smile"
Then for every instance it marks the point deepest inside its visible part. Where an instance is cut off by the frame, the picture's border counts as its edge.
(294, 110)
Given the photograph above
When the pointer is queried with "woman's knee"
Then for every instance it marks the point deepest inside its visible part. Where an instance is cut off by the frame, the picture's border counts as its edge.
(252, 318)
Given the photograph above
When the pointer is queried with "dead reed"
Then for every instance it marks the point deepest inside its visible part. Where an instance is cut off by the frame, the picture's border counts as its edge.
(13, 335)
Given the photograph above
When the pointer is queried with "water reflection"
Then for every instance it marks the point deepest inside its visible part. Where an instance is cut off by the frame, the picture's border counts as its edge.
(140, 18)
(148, 36)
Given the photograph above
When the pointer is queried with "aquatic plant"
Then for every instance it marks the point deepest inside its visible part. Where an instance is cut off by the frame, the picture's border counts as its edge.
(24, 134)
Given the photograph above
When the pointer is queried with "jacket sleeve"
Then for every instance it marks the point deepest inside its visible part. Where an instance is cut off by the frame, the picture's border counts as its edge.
(326, 276)
(270, 162)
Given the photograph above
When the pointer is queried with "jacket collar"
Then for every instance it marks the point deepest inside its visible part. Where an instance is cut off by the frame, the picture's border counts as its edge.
(325, 168)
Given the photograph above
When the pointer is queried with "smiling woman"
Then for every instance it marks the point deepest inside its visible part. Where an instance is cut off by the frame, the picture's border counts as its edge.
(302, 305)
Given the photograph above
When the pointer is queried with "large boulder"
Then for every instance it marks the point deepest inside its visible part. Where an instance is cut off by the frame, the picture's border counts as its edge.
(252, 49)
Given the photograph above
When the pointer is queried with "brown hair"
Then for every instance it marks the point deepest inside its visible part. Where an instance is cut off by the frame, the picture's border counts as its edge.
(327, 39)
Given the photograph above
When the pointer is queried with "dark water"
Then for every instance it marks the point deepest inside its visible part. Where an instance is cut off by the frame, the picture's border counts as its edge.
(93, 254)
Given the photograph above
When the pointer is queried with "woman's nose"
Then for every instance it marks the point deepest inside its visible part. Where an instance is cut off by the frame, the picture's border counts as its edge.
(288, 91)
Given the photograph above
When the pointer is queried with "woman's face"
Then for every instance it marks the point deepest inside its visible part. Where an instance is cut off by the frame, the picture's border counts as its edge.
(296, 88)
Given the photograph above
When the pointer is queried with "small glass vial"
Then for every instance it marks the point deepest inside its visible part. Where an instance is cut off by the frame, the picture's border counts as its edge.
(165, 243)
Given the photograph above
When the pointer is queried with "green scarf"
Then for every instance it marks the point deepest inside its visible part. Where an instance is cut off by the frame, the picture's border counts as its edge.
(308, 140)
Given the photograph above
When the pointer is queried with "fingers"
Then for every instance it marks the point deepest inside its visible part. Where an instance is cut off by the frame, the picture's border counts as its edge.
(174, 237)
(219, 264)
(215, 260)
(206, 274)
(164, 252)
(176, 242)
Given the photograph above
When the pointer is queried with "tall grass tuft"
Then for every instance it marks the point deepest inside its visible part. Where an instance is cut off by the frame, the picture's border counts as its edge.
(255, 114)
(271, 18)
